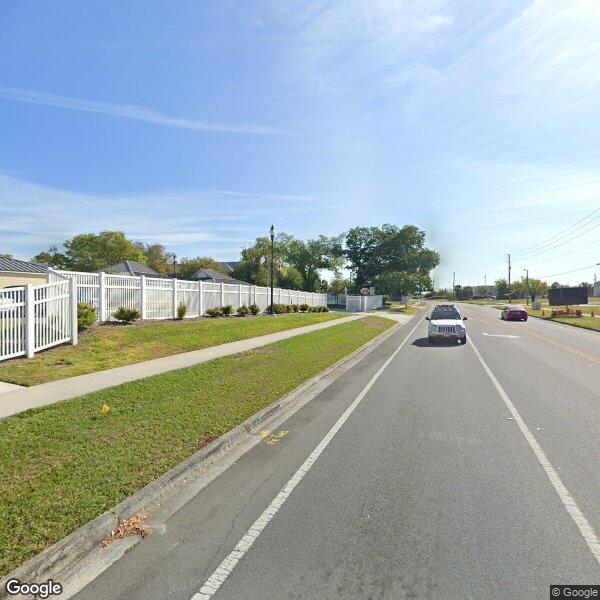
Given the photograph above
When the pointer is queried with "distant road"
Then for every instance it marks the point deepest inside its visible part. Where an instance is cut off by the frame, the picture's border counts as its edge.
(458, 472)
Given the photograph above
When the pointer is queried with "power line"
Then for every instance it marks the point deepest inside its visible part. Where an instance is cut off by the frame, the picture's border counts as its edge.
(567, 272)
(560, 235)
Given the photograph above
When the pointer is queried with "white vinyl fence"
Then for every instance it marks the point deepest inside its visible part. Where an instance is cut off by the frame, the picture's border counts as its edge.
(36, 317)
(158, 298)
(363, 303)
(336, 299)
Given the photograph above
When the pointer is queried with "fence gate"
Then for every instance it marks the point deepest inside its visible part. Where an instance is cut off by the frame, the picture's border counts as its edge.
(36, 317)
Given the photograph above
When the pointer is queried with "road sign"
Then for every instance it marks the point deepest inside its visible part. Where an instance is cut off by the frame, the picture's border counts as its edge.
(566, 296)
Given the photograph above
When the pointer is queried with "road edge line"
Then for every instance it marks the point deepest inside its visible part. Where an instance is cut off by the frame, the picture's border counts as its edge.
(60, 560)
(220, 574)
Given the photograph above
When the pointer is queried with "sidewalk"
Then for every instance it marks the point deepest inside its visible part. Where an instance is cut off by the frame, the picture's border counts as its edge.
(16, 399)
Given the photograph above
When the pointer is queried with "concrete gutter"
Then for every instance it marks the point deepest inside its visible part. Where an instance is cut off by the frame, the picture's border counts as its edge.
(60, 561)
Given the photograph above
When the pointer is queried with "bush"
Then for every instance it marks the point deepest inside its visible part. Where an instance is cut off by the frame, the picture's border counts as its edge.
(388, 300)
(181, 311)
(126, 315)
(295, 307)
(243, 310)
(227, 310)
(214, 312)
(254, 309)
(304, 307)
(288, 308)
(86, 316)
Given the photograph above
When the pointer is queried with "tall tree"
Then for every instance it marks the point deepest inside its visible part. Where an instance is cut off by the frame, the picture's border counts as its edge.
(501, 288)
(94, 251)
(157, 257)
(187, 267)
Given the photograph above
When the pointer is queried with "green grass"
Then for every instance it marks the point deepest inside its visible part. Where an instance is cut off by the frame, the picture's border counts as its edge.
(64, 464)
(404, 309)
(108, 346)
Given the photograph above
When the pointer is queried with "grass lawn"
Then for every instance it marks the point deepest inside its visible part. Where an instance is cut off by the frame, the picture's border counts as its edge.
(64, 464)
(107, 346)
(403, 309)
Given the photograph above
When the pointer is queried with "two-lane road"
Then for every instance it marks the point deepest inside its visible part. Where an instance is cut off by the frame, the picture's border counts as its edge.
(423, 472)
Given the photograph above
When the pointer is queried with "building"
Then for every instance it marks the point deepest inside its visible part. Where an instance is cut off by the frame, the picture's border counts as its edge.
(212, 276)
(15, 272)
(596, 290)
(130, 267)
(229, 267)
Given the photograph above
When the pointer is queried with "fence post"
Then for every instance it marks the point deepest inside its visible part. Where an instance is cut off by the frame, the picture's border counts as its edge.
(222, 294)
(143, 296)
(174, 297)
(29, 321)
(102, 297)
(239, 294)
(200, 299)
(253, 294)
(73, 294)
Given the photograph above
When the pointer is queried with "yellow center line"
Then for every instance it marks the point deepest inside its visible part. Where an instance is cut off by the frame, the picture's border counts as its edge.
(585, 355)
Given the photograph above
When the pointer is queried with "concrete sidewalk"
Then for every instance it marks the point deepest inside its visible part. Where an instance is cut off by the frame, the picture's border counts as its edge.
(18, 398)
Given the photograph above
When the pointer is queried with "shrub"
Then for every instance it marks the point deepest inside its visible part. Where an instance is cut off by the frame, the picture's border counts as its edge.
(86, 316)
(243, 310)
(214, 312)
(295, 307)
(254, 309)
(126, 315)
(227, 310)
(288, 308)
(304, 308)
(181, 311)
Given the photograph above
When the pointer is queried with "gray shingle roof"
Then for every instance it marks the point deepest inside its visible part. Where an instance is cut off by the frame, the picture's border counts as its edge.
(20, 266)
(131, 267)
(215, 276)
(230, 266)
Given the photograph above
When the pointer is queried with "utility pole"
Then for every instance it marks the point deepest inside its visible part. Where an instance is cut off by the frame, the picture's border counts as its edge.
(509, 292)
(453, 285)
(527, 284)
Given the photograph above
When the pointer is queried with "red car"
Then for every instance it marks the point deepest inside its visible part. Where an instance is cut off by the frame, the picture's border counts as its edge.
(513, 313)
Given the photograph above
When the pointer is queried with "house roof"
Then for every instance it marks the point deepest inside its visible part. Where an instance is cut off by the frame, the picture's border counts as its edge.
(20, 266)
(215, 276)
(230, 266)
(131, 267)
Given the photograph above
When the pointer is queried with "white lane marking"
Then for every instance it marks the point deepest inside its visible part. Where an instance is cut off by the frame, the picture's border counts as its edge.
(512, 337)
(214, 582)
(586, 530)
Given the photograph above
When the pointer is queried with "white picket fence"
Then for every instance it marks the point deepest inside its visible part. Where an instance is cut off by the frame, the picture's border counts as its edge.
(159, 298)
(36, 317)
(363, 303)
(337, 299)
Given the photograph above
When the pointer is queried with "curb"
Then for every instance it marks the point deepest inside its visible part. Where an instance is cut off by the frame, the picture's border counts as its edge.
(59, 560)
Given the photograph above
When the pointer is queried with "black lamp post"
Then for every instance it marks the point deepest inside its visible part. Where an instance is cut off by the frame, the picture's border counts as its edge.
(272, 232)
(174, 266)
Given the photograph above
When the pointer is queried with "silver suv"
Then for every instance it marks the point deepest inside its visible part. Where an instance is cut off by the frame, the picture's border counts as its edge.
(445, 323)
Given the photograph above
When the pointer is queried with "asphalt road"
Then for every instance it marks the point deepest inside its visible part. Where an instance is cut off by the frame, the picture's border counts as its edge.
(445, 479)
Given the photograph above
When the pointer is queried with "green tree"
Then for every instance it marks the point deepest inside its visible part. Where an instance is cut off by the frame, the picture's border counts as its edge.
(187, 267)
(338, 285)
(536, 288)
(93, 252)
(373, 251)
(157, 257)
(501, 288)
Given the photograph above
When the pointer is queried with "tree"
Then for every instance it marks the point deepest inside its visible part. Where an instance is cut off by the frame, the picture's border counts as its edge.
(188, 267)
(373, 251)
(536, 288)
(5, 255)
(338, 285)
(463, 293)
(501, 288)
(290, 278)
(255, 266)
(93, 252)
(157, 257)
(403, 283)
(310, 257)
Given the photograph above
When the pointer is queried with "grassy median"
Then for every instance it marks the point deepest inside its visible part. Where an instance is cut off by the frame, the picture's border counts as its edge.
(63, 465)
(108, 346)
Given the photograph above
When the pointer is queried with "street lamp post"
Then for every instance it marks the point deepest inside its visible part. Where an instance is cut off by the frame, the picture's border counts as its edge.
(272, 232)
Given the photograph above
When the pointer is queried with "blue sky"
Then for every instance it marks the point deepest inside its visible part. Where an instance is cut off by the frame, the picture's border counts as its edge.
(198, 124)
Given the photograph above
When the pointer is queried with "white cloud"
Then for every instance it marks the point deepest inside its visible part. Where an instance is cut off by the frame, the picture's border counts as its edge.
(129, 111)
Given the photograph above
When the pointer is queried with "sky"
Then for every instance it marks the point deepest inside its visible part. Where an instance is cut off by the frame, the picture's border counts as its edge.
(200, 124)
